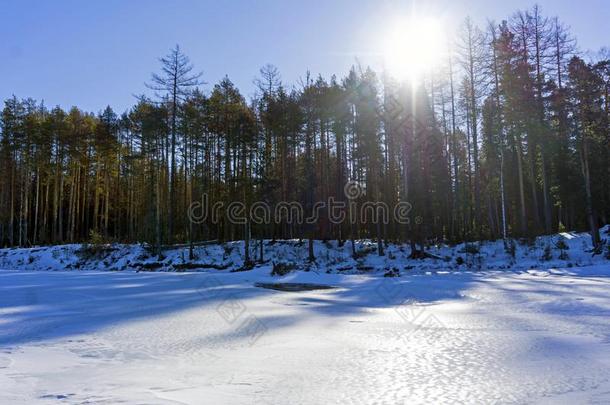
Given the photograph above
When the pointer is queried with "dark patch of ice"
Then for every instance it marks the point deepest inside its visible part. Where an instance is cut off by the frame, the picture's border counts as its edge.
(294, 287)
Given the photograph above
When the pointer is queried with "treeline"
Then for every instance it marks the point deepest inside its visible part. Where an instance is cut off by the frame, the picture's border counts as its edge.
(509, 137)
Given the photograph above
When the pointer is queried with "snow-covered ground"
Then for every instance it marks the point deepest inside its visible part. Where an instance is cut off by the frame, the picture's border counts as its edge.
(440, 333)
(330, 258)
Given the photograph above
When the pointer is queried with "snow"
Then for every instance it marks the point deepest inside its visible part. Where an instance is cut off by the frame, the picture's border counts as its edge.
(331, 258)
(487, 331)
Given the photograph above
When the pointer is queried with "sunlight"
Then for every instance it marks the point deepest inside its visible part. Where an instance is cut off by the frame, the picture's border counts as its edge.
(412, 47)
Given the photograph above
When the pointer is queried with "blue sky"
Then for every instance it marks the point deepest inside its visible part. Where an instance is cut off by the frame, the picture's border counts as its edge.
(93, 53)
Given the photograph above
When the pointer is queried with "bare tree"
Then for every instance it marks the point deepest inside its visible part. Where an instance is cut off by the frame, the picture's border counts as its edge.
(174, 83)
(471, 46)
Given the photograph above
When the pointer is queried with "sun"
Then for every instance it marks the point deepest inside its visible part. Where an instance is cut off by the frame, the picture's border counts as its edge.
(412, 47)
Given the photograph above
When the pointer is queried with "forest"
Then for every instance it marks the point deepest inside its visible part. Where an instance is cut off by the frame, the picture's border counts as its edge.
(508, 138)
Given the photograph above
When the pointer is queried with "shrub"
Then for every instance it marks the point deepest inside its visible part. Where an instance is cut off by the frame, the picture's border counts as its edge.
(94, 247)
(281, 268)
(364, 252)
(548, 254)
(471, 248)
(95, 238)
(562, 246)
(228, 249)
(394, 272)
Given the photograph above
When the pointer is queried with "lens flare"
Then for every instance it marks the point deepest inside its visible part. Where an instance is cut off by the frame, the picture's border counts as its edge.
(412, 47)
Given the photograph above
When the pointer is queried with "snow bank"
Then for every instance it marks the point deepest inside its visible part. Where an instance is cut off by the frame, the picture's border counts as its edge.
(565, 250)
